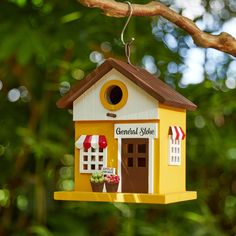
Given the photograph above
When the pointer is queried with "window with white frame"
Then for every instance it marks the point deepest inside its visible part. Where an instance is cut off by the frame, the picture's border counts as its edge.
(92, 159)
(174, 151)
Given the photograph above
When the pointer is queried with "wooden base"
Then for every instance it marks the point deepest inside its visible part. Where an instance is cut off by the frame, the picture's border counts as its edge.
(126, 197)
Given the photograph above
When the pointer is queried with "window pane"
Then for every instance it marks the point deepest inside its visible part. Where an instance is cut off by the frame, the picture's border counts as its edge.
(100, 167)
(101, 150)
(92, 167)
(85, 158)
(93, 158)
(85, 166)
(130, 148)
(85, 150)
(130, 162)
(141, 162)
(100, 158)
(93, 149)
(141, 148)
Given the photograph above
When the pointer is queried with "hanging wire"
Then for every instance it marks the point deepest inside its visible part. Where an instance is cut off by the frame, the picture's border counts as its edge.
(128, 43)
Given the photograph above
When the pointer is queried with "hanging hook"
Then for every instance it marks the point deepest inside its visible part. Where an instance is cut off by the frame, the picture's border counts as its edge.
(126, 24)
(128, 43)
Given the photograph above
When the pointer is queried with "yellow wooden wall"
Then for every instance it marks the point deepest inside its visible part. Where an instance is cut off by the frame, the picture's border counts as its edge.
(94, 128)
(172, 179)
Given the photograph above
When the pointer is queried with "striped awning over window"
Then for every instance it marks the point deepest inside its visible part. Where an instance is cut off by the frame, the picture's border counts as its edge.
(177, 133)
(94, 141)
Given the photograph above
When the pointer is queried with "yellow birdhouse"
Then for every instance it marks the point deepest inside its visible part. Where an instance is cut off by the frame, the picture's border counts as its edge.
(131, 128)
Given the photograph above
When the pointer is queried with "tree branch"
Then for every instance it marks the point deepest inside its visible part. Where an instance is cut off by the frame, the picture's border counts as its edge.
(223, 42)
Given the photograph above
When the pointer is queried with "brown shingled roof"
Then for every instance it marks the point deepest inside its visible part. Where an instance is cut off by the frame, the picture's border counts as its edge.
(152, 85)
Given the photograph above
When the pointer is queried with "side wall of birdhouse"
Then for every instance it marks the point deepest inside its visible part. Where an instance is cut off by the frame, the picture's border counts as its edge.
(172, 178)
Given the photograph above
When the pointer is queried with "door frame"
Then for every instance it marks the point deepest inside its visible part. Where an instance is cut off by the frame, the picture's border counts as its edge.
(150, 164)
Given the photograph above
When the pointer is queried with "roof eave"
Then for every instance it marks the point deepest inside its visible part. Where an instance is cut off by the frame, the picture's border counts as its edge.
(189, 107)
(67, 100)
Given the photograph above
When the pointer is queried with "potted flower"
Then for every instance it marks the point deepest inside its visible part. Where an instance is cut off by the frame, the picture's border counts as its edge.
(97, 181)
(112, 183)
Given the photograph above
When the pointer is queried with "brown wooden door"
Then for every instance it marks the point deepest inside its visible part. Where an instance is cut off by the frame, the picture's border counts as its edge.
(134, 165)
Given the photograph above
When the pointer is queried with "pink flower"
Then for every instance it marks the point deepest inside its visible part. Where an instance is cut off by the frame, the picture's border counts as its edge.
(113, 179)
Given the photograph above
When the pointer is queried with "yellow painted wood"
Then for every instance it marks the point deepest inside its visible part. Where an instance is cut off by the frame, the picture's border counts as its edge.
(125, 197)
(94, 128)
(171, 178)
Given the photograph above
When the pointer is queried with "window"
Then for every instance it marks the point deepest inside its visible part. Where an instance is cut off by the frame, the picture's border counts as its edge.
(93, 152)
(92, 160)
(113, 95)
(174, 151)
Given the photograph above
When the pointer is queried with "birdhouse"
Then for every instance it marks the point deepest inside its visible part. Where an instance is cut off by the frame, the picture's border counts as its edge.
(129, 124)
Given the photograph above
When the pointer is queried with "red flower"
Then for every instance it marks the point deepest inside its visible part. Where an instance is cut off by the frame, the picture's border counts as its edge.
(113, 179)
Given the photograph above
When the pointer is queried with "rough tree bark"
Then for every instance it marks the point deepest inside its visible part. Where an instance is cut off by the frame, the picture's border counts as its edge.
(223, 42)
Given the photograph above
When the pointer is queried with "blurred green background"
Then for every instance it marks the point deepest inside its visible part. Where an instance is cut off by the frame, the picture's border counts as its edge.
(45, 47)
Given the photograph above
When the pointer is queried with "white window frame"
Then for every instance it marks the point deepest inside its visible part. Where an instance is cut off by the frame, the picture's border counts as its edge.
(174, 158)
(92, 160)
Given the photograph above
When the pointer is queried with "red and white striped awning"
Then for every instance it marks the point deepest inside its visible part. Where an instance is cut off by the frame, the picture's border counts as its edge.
(94, 141)
(177, 132)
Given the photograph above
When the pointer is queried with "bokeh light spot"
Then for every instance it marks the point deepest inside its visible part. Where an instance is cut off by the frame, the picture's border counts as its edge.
(2, 150)
(231, 153)
(66, 172)
(172, 68)
(67, 185)
(170, 41)
(68, 160)
(64, 87)
(37, 3)
(230, 83)
(24, 94)
(4, 197)
(199, 122)
(149, 64)
(77, 74)
(106, 47)
(22, 202)
(13, 95)
(95, 57)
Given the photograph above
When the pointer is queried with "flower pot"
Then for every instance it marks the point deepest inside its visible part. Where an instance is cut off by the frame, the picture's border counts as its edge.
(97, 187)
(111, 187)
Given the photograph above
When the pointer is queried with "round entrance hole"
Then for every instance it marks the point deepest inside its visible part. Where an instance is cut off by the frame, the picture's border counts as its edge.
(114, 95)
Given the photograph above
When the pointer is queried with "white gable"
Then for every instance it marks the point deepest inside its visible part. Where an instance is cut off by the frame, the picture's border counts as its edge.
(139, 106)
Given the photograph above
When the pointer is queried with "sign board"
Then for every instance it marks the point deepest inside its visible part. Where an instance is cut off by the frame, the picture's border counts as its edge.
(145, 130)
(108, 170)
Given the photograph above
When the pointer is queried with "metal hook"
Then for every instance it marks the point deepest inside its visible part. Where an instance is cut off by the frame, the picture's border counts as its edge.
(128, 43)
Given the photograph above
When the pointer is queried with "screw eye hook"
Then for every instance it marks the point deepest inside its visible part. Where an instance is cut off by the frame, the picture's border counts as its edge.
(128, 43)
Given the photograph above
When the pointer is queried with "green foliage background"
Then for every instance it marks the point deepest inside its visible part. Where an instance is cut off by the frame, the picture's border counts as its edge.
(44, 43)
